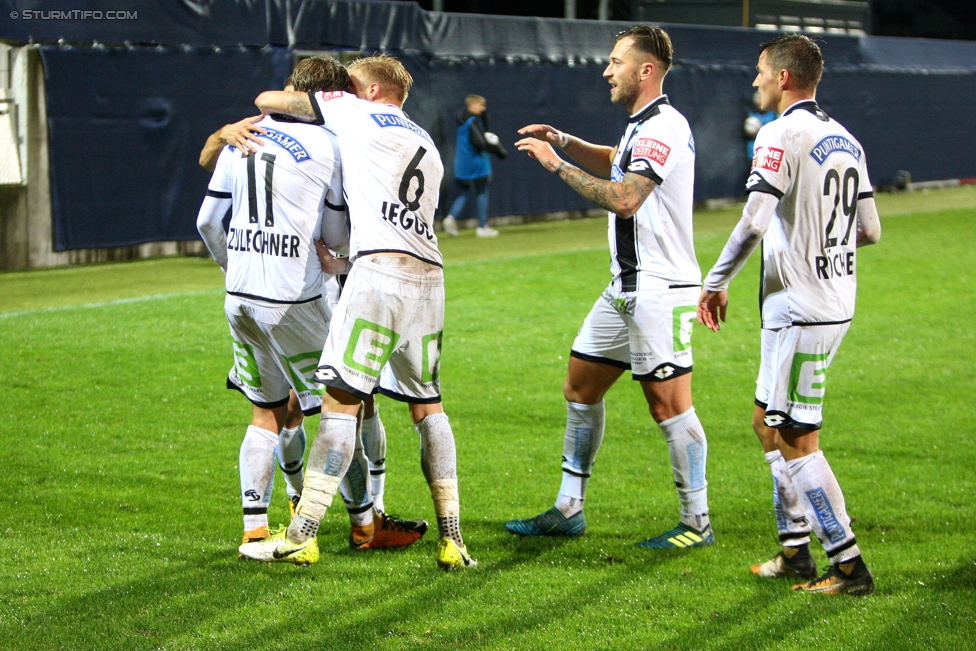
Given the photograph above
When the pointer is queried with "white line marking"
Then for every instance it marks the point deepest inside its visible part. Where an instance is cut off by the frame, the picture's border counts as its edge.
(120, 301)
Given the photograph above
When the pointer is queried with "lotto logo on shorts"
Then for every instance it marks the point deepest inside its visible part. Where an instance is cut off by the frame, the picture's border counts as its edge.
(767, 158)
(369, 348)
(808, 378)
(651, 149)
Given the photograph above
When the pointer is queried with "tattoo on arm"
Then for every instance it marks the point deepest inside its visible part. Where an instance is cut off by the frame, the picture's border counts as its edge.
(623, 198)
(300, 106)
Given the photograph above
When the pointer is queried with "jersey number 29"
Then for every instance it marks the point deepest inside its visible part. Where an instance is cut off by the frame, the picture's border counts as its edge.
(845, 196)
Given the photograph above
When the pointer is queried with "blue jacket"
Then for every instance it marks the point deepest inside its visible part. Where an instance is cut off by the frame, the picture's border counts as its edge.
(469, 162)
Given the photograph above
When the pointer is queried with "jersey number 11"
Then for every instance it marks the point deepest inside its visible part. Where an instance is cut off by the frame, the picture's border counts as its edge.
(252, 197)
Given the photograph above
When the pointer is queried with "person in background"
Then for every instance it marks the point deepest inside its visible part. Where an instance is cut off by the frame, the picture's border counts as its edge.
(755, 121)
(472, 164)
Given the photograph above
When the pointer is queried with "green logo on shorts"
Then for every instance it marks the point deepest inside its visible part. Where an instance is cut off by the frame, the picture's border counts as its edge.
(372, 344)
(300, 368)
(683, 317)
(431, 370)
(246, 365)
(808, 378)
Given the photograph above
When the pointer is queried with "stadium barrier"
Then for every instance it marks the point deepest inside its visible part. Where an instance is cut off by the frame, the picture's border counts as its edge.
(125, 123)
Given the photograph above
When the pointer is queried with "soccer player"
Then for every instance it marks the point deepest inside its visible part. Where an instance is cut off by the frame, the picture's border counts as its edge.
(644, 318)
(807, 190)
(388, 325)
(281, 200)
(246, 136)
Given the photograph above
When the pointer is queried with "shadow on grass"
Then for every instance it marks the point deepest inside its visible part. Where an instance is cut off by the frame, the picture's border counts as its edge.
(393, 599)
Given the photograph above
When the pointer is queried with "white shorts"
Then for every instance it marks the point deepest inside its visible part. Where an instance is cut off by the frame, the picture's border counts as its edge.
(387, 330)
(793, 374)
(331, 291)
(277, 348)
(647, 332)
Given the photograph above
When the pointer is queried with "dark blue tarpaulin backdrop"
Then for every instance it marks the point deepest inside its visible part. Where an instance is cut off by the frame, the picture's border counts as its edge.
(126, 129)
(127, 123)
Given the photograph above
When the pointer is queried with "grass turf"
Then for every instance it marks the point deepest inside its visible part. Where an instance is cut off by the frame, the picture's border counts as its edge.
(119, 449)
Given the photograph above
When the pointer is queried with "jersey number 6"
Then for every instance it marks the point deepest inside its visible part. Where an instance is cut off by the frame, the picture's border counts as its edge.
(412, 172)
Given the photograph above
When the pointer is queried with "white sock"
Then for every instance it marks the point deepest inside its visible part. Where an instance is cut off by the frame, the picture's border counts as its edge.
(291, 452)
(791, 518)
(689, 451)
(328, 459)
(374, 442)
(584, 434)
(823, 500)
(256, 464)
(438, 459)
(355, 488)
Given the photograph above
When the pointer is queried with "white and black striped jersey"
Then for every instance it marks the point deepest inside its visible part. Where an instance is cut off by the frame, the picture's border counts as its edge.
(818, 171)
(656, 246)
(282, 195)
(392, 175)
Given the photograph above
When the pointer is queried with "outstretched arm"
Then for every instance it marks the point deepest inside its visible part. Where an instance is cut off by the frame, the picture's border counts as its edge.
(744, 239)
(297, 105)
(240, 134)
(623, 198)
(597, 159)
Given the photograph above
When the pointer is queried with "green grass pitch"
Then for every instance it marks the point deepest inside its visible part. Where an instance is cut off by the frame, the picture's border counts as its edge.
(120, 514)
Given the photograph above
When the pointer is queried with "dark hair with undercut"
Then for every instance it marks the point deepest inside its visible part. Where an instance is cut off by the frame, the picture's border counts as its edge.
(319, 73)
(652, 40)
(798, 55)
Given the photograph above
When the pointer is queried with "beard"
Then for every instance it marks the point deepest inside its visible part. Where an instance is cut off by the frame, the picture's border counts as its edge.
(625, 92)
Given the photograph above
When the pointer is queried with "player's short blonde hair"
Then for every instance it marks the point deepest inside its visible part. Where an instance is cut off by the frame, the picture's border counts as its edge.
(386, 71)
(471, 99)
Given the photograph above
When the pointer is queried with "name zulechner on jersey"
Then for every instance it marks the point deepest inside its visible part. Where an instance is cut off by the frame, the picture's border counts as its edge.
(248, 241)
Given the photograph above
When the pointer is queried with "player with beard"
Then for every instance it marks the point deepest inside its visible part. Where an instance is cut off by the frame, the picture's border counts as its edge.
(644, 318)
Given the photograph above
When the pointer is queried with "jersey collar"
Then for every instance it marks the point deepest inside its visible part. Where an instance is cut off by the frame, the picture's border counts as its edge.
(806, 105)
(650, 110)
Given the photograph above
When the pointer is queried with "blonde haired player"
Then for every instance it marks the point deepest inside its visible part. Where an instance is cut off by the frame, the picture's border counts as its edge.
(389, 321)
(284, 197)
